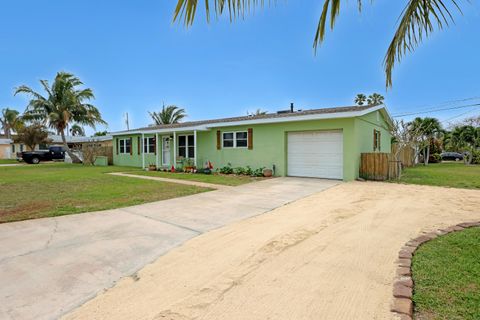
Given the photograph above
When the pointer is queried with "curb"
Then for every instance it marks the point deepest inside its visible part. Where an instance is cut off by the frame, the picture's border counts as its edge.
(402, 304)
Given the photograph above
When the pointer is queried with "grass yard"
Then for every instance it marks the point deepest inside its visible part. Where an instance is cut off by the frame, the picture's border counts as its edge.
(48, 190)
(8, 161)
(228, 180)
(446, 272)
(456, 175)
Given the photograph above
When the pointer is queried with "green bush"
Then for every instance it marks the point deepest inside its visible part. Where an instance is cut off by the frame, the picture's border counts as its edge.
(226, 169)
(435, 158)
(258, 172)
(248, 171)
(476, 157)
(239, 171)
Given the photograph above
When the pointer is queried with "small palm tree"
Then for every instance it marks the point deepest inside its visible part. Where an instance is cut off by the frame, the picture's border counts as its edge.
(77, 130)
(168, 115)
(360, 99)
(417, 21)
(64, 103)
(375, 99)
(10, 120)
(427, 129)
(258, 112)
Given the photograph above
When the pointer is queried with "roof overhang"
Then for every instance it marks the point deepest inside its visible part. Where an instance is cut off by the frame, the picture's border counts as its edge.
(293, 118)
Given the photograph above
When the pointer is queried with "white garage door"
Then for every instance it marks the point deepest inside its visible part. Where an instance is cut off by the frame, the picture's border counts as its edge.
(316, 154)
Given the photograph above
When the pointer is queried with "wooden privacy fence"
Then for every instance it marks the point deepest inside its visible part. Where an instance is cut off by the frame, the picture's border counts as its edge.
(379, 166)
(406, 155)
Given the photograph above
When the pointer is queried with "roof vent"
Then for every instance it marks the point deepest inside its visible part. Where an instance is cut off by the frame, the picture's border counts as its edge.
(291, 110)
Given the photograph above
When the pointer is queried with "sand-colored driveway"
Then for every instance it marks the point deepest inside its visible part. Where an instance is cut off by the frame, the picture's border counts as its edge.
(50, 266)
(328, 256)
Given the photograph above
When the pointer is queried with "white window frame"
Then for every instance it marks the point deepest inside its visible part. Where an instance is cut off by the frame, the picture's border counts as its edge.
(186, 146)
(124, 142)
(235, 139)
(147, 147)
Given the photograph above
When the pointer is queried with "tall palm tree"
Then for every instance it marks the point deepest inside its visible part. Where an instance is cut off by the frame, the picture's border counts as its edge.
(10, 120)
(375, 99)
(416, 22)
(360, 99)
(64, 103)
(168, 115)
(77, 130)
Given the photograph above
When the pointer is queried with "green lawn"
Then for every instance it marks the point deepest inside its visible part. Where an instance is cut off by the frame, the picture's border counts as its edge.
(46, 190)
(8, 161)
(228, 180)
(446, 272)
(456, 175)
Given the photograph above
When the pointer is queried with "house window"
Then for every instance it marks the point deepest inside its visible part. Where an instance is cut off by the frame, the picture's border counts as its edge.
(186, 146)
(125, 146)
(149, 145)
(235, 139)
(377, 140)
(21, 148)
(13, 148)
(228, 140)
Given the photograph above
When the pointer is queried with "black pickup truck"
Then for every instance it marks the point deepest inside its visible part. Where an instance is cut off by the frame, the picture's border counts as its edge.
(53, 153)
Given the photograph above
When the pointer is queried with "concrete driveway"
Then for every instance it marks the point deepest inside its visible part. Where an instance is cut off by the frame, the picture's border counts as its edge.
(50, 266)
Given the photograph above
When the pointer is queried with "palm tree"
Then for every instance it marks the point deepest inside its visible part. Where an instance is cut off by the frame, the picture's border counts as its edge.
(258, 112)
(64, 103)
(360, 99)
(10, 121)
(375, 99)
(416, 22)
(427, 129)
(466, 138)
(77, 130)
(168, 115)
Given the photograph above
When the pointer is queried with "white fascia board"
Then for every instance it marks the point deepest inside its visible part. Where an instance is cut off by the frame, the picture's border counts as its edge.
(166, 130)
(306, 117)
(6, 141)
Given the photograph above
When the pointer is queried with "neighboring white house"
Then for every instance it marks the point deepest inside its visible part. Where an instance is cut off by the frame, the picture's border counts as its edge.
(9, 148)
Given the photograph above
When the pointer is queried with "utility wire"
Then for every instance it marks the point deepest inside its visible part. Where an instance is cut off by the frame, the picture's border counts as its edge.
(443, 104)
(438, 109)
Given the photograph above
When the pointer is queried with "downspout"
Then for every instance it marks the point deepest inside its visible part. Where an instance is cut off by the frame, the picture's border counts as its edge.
(174, 149)
(143, 150)
(195, 147)
(157, 149)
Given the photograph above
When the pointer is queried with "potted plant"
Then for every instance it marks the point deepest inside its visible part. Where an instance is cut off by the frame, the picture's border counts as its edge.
(267, 172)
(188, 165)
(152, 167)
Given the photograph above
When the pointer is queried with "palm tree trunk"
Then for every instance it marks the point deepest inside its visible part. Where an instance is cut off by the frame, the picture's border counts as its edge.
(72, 156)
(8, 132)
(428, 155)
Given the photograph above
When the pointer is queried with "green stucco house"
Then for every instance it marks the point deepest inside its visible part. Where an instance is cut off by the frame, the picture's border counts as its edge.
(321, 143)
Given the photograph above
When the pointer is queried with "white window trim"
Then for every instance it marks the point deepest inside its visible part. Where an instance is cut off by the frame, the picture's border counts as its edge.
(124, 142)
(146, 145)
(186, 145)
(235, 139)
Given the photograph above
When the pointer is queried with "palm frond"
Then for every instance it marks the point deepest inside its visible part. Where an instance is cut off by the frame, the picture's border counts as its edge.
(186, 9)
(417, 21)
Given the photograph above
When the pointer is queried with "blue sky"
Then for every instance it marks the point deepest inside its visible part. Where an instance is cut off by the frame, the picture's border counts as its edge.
(134, 58)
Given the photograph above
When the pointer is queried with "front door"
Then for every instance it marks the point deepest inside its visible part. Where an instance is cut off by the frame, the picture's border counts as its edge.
(165, 151)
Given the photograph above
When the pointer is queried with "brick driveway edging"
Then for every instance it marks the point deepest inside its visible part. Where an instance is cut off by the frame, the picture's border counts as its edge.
(403, 287)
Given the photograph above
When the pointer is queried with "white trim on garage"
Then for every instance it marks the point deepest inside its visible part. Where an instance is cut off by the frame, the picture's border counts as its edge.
(316, 154)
